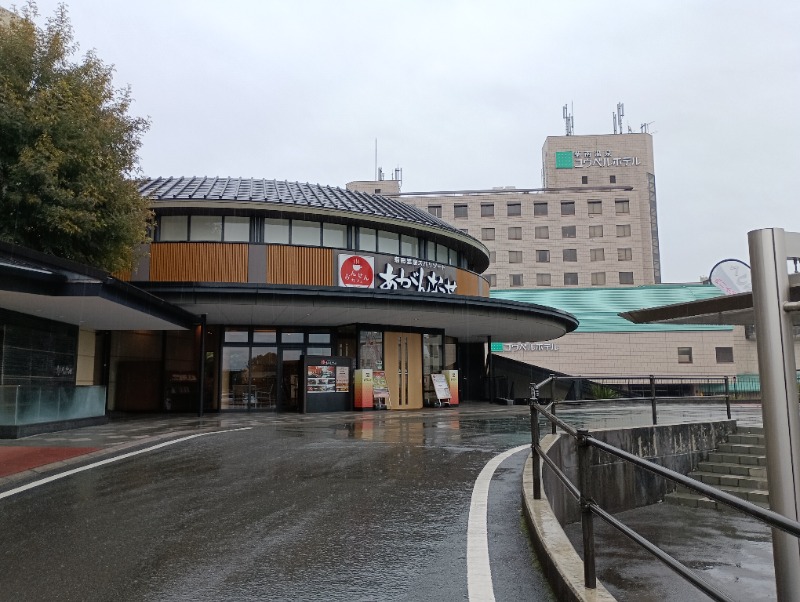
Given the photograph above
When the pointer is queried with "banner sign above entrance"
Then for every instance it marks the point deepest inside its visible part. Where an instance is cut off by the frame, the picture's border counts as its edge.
(395, 273)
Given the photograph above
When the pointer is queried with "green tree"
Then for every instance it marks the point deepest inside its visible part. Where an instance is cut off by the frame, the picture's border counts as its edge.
(68, 148)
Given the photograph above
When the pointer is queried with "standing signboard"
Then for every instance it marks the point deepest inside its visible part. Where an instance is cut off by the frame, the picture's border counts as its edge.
(441, 388)
(326, 386)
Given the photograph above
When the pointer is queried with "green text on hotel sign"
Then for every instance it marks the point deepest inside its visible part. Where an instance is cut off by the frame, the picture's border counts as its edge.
(564, 160)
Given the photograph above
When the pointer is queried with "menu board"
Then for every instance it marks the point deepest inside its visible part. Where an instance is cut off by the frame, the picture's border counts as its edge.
(440, 386)
(322, 379)
(379, 386)
(342, 379)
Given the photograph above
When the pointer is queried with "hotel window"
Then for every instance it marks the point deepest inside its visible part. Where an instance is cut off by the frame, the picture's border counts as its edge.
(515, 279)
(567, 207)
(595, 207)
(598, 278)
(597, 255)
(487, 233)
(492, 256)
(409, 246)
(685, 355)
(568, 231)
(539, 209)
(584, 179)
(173, 228)
(236, 229)
(542, 279)
(624, 254)
(724, 355)
(491, 279)
(487, 209)
(367, 239)
(460, 211)
(334, 236)
(206, 228)
(541, 232)
(306, 232)
(542, 256)
(515, 233)
(612, 179)
(515, 257)
(435, 210)
(622, 206)
(276, 231)
(595, 231)
(570, 278)
(626, 277)
(570, 254)
(388, 242)
(513, 209)
(623, 230)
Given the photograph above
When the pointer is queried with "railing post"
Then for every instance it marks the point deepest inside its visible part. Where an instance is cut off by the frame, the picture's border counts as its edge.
(537, 461)
(728, 397)
(587, 518)
(553, 401)
(653, 398)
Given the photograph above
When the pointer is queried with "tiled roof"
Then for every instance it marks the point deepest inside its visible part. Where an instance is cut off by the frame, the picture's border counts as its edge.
(597, 309)
(276, 192)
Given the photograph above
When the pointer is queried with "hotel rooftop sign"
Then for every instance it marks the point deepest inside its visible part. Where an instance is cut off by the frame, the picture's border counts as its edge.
(585, 159)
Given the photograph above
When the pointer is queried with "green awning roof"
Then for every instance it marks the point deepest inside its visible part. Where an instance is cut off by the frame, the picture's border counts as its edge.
(598, 309)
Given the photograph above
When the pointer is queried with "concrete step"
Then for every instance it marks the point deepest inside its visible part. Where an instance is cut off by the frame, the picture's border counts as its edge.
(751, 495)
(716, 479)
(750, 430)
(742, 448)
(747, 439)
(734, 469)
(733, 458)
(695, 500)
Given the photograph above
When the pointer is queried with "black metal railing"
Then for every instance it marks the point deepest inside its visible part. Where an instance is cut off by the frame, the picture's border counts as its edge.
(589, 507)
(580, 389)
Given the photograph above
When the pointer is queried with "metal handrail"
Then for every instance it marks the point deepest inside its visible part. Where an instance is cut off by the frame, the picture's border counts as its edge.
(589, 507)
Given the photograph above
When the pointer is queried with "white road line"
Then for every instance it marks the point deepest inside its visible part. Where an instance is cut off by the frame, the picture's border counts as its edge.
(479, 571)
(69, 473)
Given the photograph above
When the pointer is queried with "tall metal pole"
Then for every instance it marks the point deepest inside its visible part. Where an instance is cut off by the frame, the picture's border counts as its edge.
(779, 405)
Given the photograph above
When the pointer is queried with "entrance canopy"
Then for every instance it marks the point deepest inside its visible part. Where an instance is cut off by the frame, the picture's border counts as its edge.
(47, 287)
(728, 309)
(470, 319)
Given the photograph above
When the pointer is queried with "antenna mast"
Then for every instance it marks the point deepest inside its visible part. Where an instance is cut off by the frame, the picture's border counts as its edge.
(569, 121)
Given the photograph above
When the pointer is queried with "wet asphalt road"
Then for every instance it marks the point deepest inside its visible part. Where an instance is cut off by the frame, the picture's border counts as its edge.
(336, 507)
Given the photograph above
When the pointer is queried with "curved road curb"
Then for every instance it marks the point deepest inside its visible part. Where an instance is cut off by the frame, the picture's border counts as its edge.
(561, 563)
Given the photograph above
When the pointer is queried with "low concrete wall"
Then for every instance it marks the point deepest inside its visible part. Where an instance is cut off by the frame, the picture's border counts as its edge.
(618, 485)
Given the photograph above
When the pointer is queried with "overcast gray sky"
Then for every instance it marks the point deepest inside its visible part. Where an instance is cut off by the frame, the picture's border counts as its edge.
(462, 95)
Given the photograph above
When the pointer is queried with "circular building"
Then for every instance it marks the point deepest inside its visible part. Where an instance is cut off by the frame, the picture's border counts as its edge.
(312, 298)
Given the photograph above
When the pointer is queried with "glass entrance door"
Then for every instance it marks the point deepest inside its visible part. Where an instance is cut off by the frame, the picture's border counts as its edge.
(291, 379)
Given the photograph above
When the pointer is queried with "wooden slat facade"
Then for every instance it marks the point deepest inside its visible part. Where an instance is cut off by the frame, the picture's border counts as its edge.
(299, 265)
(198, 262)
(471, 284)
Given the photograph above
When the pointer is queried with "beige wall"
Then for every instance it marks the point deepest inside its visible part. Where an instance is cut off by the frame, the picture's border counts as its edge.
(643, 353)
(86, 350)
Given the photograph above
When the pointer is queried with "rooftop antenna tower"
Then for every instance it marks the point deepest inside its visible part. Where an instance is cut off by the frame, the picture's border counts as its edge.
(620, 115)
(569, 120)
